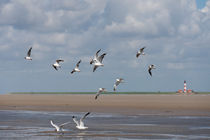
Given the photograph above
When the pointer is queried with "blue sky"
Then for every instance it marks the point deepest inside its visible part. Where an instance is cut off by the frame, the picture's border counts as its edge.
(201, 3)
(176, 35)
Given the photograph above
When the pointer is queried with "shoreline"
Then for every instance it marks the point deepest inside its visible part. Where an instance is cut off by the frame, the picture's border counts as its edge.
(92, 92)
(111, 103)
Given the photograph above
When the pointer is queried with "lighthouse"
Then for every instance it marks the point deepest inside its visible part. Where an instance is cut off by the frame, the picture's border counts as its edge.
(185, 89)
(185, 86)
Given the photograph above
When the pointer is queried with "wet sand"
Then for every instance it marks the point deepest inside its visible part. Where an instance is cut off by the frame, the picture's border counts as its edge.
(35, 125)
(122, 104)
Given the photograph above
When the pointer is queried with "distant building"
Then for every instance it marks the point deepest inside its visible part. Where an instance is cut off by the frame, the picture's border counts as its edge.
(179, 91)
(185, 90)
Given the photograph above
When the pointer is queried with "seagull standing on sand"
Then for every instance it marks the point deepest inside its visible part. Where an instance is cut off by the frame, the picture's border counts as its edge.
(150, 68)
(80, 124)
(140, 52)
(28, 57)
(76, 69)
(99, 92)
(56, 65)
(97, 61)
(58, 128)
(118, 81)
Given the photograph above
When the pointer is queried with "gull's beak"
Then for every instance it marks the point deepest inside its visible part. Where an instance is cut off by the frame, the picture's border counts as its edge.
(91, 61)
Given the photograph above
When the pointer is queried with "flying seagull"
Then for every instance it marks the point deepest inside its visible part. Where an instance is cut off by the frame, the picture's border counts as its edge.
(150, 68)
(28, 57)
(118, 81)
(140, 52)
(80, 124)
(99, 92)
(58, 128)
(95, 57)
(98, 62)
(56, 65)
(76, 69)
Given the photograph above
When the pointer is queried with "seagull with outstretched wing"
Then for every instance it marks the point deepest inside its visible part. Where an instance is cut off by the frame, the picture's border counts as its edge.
(28, 57)
(58, 128)
(98, 62)
(76, 69)
(118, 81)
(150, 69)
(80, 123)
(56, 65)
(99, 92)
(140, 52)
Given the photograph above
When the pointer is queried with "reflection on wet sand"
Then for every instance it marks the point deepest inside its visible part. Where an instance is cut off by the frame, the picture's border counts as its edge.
(35, 125)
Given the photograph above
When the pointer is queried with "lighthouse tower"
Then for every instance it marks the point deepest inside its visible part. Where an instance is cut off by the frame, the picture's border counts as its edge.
(185, 86)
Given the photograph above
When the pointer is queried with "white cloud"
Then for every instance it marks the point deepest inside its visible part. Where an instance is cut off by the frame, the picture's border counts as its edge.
(192, 29)
(176, 66)
(180, 66)
(133, 27)
(175, 32)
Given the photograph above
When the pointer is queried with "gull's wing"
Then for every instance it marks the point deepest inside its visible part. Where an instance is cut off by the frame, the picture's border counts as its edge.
(78, 63)
(84, 116)
(100, 59)
(55, 67)
(54, 125)
(97, 94)
(59, 60)
(64, 124)
(94, 68)
(149, 70)
(81, 124)
(97, 53)
(115, 87)
(121, 79)
(29, 52)
(72, 71)
(142, 49)
(75, 120)
(137, 54)
(117, 83)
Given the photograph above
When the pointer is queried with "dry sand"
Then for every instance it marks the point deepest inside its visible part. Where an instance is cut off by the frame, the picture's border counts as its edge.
(124, 104)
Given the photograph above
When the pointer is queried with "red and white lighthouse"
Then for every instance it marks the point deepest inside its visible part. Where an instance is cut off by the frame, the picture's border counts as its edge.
(185, 86)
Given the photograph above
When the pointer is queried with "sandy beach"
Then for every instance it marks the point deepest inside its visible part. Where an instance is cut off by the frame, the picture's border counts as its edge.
(27, 116)
(124, 104)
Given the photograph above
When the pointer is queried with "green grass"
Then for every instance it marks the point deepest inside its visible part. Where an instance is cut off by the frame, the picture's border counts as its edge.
(105, 93)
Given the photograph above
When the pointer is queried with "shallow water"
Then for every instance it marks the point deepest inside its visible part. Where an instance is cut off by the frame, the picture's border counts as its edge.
(35, 125)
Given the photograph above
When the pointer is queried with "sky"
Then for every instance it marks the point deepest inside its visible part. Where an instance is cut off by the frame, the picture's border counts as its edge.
(176, 35)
